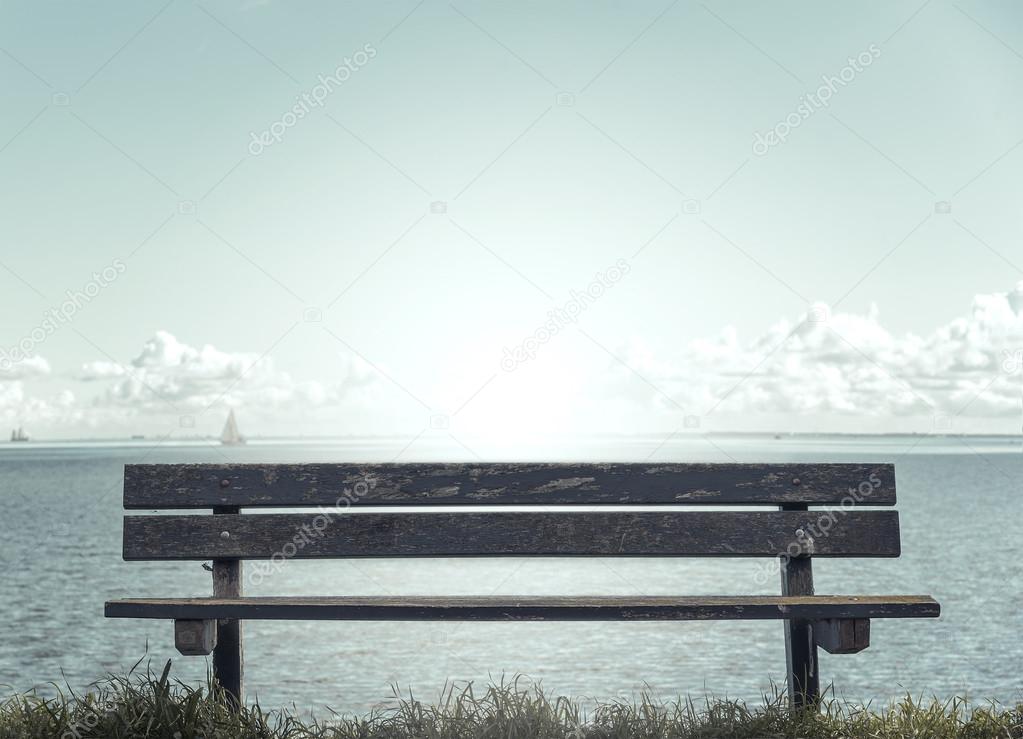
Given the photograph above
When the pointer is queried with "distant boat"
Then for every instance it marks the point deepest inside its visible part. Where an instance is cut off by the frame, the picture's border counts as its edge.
(19, 434)
(230, 435)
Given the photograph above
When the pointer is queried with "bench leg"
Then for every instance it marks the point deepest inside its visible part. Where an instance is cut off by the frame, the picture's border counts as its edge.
(800, 646)
(228, 660)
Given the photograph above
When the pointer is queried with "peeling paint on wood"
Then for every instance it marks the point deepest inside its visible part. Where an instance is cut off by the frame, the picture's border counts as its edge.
(437, 534)
(150, 486)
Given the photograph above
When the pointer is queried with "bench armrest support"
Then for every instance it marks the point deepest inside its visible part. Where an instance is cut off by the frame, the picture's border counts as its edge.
(842, 635)
(195, 638)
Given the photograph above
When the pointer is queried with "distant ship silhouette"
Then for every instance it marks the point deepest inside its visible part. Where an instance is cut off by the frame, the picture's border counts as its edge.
(230, 435)
(19, 434)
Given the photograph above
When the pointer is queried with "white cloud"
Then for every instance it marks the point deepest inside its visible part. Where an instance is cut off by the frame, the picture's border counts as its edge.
(25, 368)
(169, 374)
(17, 407)
(849, 364)
(823, 369)
(100, 370)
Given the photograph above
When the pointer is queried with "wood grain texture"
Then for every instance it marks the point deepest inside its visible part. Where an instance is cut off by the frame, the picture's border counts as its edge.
(229, 653)
(182, 486)
(679, 533)
(529, 608)
(802, 667)
(195, 637)
(843, 635)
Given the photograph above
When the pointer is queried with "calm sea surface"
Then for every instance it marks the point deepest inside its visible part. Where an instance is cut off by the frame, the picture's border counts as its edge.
(961, 504)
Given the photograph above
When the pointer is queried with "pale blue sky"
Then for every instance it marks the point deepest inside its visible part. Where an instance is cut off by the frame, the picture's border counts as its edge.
(125, 132)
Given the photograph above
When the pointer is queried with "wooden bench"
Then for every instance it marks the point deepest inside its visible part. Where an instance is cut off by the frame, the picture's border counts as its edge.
(352, 520)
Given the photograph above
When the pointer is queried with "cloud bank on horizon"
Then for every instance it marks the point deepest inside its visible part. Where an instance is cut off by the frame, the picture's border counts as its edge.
(168, 372)
(850, 365)
(845, 370)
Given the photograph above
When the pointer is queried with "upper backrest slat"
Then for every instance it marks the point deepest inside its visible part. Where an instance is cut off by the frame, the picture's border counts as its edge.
(494, 534)
(180, 486)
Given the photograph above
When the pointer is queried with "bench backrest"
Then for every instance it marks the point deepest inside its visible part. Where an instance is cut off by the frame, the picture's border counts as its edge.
(349, 520)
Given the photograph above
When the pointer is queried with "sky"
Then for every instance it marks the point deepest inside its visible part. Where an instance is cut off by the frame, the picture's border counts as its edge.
(510, 219)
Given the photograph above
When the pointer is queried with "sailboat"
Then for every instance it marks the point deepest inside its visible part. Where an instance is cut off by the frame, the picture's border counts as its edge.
(19, 434)
(230, 435)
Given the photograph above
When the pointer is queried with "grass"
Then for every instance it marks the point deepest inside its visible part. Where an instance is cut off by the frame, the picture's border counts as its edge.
(143, 705)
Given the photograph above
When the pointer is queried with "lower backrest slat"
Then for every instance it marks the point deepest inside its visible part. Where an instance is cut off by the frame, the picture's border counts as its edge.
(336, 533)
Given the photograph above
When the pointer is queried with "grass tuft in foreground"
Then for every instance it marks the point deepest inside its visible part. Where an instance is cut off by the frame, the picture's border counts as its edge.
(159, 708)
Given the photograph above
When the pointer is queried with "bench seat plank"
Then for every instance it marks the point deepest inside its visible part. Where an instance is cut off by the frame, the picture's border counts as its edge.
(166, 486)
(529, 608)
(855, 533)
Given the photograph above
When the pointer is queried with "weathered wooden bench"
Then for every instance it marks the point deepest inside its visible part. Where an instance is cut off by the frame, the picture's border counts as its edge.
(352, 520)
